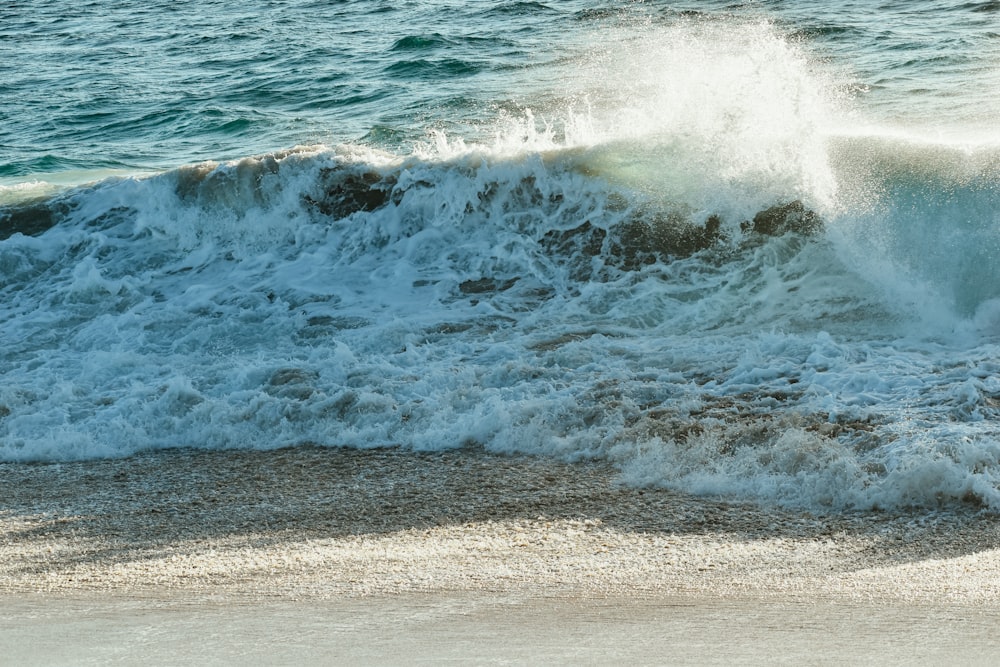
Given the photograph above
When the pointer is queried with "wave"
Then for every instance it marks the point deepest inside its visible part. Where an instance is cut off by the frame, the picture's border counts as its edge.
(904, 212)
(355, 298)
(719, 290)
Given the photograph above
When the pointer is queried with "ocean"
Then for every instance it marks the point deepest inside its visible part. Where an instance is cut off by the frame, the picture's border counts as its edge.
(748, 250)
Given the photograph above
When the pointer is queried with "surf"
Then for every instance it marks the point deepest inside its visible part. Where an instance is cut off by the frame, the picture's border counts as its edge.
(723, 278)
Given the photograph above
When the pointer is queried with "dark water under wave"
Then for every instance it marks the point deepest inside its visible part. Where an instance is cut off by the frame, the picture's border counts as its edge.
(737, 249)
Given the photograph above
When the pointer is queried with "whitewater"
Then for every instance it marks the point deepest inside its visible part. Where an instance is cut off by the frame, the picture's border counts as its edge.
(740, 250)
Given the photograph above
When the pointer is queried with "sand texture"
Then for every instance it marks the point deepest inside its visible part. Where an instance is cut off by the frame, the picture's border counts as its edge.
(315, 523)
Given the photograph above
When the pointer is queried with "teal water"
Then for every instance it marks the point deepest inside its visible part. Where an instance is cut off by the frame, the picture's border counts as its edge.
(742, 249)
(153, 85)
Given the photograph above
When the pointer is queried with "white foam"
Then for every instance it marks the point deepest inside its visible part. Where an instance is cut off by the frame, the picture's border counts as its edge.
(231, 305)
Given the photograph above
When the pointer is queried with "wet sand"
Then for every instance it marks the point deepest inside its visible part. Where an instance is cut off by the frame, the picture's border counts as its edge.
(483, 628)
(470, 557)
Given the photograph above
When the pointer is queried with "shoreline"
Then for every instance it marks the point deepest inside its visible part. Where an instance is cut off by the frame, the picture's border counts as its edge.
(334, 555)
(485, 628)
(317, 523)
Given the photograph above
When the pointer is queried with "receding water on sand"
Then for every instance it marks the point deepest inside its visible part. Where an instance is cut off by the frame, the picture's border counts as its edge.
(448, 628)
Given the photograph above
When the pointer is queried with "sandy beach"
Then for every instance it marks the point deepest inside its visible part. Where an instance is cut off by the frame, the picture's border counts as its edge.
(429, 551)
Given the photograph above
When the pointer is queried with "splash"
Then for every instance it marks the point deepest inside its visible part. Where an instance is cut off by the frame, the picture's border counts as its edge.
(692, 271)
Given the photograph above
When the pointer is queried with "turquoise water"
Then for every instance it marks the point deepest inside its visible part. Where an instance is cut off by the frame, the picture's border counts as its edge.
(153, 85)
(743, 249)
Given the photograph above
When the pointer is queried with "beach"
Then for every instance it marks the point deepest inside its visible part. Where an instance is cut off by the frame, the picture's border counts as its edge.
(356, 553)
(499, 333)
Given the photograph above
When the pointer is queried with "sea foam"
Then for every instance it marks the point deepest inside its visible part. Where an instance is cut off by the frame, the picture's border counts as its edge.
(696, 273)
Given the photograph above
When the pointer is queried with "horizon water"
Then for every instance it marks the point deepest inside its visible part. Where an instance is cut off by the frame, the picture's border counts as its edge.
(739, 249)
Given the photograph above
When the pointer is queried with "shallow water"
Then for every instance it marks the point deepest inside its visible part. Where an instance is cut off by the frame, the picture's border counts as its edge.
(432, 629)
